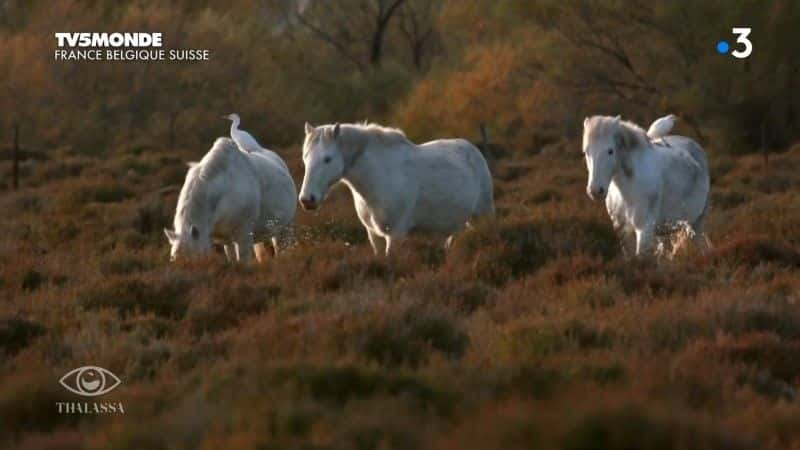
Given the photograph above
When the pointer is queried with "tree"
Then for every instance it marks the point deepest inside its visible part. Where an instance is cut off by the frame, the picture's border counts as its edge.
(336, 24)
(418, 26)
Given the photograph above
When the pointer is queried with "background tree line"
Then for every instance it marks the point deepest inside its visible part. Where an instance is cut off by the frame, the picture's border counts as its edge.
(530, 70)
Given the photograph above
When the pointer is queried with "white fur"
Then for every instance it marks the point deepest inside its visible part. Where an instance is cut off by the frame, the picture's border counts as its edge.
(647, 188)
(397, 186)
(236, 195)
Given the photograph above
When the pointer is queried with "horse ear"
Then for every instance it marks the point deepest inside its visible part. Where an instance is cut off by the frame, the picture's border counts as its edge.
(171, 235)
(336, 129)
(195, 232)
(309, 128)
(618, 117)
(191, 164)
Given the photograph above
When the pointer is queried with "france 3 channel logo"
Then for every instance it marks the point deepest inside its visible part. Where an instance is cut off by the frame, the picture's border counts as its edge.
(744, 47)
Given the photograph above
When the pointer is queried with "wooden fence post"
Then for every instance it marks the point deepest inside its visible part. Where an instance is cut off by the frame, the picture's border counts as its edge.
(487, 154)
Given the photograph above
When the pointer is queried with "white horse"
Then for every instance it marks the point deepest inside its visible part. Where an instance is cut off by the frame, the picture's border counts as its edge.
(397, 186)
(649, 189)
(237, 195)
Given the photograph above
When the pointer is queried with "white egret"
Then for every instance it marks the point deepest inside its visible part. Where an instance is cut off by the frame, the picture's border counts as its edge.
(661, 127)
(243, 139)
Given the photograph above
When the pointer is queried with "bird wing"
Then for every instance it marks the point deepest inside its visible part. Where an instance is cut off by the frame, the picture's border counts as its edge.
(660, 127)
(245, 141)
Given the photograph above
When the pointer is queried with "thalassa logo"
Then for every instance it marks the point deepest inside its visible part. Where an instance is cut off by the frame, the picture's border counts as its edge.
(90, 381)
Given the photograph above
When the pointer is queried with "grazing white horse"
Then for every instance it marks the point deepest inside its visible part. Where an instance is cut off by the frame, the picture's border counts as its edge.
(397, 186)
(648, 189)
(237, 195)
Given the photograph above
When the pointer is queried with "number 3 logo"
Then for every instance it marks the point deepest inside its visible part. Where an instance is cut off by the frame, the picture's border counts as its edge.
(742, 39)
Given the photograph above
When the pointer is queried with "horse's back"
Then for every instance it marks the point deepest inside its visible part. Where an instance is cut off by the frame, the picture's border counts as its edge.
(278, 191)
(690, 147)
(446, 163)
(687, 179)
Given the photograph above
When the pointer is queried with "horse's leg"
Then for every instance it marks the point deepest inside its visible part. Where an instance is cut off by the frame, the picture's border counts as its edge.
(700, 239)
(644, 241)
(244, 246)
(375, 240)
(698, 227)
(449, 242)
(230, 252)
(261, 252)
(393, 240)
(275, 245)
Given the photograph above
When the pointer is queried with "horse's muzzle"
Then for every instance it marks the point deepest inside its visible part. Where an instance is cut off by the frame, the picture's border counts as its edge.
(308, 203)
(596, 193)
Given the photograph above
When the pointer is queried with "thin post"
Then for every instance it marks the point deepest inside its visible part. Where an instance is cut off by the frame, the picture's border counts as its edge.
(484, 138)
(15, 159)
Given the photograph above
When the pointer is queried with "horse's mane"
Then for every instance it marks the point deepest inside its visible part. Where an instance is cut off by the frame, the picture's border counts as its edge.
(632, 135)
(214, 162)
(361, 135)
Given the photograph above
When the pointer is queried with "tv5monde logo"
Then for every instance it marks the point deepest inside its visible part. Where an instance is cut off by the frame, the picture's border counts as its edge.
(90, 381)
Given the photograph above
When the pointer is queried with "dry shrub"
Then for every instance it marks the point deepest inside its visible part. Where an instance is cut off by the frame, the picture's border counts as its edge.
(124, 264)
(752, 251)
(58, 440)
(410, 337)
(153, 214)
(596, 292)
(674, 332)
(226, 303)
(338, 384)
(95, 191)
(536, 340)
(574, 235)
(497, 251)
(383, 422)
(17, 333)
(729, 198)
(349, 272)
(645, 277)
(203, 349)
(465, 296)
(633, 426)
(509, 425)
(165, 294)
(566, 269)
(760, 312)
(33, 280)
(763, 352)
(28, 403)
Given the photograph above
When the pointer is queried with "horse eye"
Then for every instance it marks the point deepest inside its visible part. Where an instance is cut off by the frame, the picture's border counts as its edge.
(611, 151)
(327, 159)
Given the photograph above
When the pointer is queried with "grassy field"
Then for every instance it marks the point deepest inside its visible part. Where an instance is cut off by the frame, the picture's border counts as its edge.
(531, 332)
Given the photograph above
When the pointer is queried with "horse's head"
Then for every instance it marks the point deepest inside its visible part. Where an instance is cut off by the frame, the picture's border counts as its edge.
(189, 243)
(324, 164)
(604, 142)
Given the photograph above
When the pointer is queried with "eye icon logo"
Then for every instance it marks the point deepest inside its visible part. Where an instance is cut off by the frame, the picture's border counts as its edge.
(90, 381)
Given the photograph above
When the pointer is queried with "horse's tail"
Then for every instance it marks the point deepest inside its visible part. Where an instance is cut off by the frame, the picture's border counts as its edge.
(698, 226)
(486, 201)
